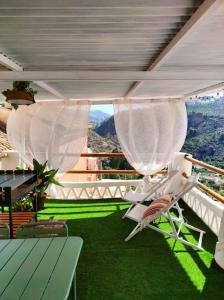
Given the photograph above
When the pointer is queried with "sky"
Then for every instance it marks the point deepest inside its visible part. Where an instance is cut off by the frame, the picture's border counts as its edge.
(107, 108)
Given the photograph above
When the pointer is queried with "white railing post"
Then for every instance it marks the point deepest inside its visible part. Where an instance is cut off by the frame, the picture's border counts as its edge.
(219, 250)
(92, 189)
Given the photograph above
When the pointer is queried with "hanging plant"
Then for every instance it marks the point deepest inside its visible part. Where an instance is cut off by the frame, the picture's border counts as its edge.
(21, 94)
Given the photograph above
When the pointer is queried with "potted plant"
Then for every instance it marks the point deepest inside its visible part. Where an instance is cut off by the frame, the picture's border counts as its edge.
(21, 94)
(44, 179)
(23, 205)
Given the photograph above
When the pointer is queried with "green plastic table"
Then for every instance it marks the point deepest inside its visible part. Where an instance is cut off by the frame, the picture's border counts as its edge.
(43, 268)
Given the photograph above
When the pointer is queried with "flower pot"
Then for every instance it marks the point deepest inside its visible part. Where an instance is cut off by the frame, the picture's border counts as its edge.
(40, 203)
(18, 97)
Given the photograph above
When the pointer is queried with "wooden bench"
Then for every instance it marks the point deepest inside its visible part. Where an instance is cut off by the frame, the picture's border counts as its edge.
(18, 219)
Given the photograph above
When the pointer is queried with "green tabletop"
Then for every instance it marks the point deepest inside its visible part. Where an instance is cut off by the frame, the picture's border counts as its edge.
(41, 268)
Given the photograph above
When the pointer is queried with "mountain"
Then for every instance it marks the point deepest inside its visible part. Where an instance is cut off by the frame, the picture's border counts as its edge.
(99, 143)
(107, 127)
(98, 116)
(207, 106)
(205, 136)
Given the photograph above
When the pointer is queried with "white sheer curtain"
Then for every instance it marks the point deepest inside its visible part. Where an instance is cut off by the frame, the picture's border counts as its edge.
(17, 131)
(150, 131)
(50, 131)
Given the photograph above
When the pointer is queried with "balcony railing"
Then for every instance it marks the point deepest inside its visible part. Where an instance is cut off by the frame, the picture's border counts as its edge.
(101, 189)
(204, 165)
(202, 186)
(99, 185)
(104, 155)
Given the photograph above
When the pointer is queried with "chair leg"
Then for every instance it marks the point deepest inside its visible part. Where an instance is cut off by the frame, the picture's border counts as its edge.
(182, 223)
(134, 232)
(127, 211)
(180, 212)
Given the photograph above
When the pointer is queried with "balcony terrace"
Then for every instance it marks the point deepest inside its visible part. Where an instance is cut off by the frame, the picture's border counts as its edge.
(149, 57)
(150, 265)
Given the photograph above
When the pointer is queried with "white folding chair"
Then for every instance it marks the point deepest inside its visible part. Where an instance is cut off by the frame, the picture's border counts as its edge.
(176, 223)
(142, 194)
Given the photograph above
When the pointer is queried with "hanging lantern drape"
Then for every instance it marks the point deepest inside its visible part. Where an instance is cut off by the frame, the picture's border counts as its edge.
(55, 132)
(150, 132)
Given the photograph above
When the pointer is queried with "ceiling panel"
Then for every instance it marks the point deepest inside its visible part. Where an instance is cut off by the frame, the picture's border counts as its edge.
(91, 90)
(170, 88)
(107, 35)
(101, 34)
(204, 46)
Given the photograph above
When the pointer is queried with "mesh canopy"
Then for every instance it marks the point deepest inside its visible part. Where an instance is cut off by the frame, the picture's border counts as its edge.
(150, 132)
(55, 132)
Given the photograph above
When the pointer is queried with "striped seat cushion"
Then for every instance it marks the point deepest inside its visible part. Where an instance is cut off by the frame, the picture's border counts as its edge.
(157, 205)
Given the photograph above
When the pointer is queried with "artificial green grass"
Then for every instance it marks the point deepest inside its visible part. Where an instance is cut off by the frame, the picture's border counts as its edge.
(149, 266)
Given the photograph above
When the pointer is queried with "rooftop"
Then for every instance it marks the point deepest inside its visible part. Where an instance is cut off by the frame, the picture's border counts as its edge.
(4, 143)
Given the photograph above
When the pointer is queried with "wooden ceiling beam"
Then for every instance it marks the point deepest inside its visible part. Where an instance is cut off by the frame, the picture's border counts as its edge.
(10, 64)
(209, 74)
(208, 90)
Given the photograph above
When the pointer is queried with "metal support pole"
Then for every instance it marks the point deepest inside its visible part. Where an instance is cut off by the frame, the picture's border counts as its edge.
(8, 199)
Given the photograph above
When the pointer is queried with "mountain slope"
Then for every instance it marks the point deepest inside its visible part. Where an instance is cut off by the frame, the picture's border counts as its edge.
(211, 107)
(102, 144)
(98, 116)
(205, 136)
(107, 128)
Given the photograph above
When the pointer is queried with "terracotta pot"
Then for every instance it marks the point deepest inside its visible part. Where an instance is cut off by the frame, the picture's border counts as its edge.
(40, 203)
(18, 97)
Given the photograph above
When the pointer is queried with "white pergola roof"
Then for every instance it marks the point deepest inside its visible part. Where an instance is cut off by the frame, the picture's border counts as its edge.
(100, 49)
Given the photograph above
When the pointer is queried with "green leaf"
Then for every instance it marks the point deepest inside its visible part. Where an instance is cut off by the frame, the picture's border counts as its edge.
(54, 181)
(36, 164)
(44, 165)
(47, 177)
(15, 106)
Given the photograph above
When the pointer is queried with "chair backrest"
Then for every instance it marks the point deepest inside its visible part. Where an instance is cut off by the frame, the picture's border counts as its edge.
(156, 188)
(186, 183)
(160, 185)
(144, 185)
(189, 184)
(4, 231)
(172, 183)
(42, 230)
